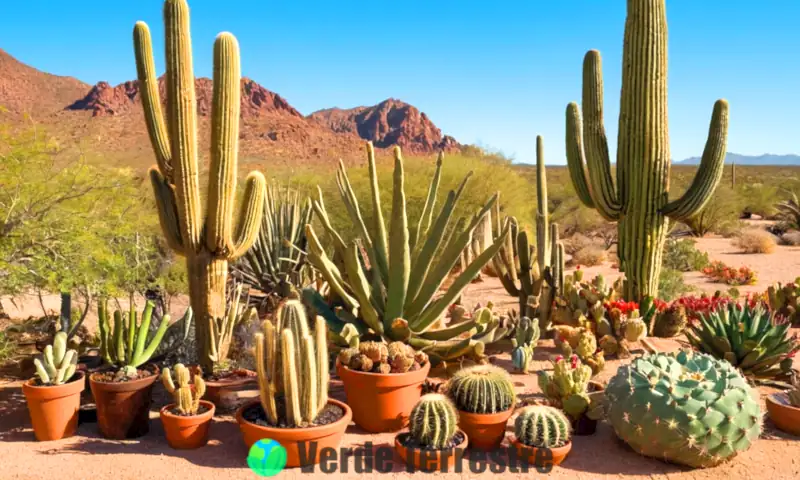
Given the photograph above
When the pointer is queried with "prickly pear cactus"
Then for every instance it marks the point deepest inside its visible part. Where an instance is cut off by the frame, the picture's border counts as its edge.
(686, 408)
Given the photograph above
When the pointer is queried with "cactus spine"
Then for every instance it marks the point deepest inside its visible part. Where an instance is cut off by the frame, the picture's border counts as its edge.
(208, 244)
(482, 389)
(639, 201)
(433, 421)
(186, 399)
(57, 364)
(542, 426)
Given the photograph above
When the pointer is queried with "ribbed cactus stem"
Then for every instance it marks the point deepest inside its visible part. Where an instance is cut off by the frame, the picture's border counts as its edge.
(542, 216)
(291, 379)
(542, 426)
(482, 389)
(323, 362)
(187, 400)
(433, 421)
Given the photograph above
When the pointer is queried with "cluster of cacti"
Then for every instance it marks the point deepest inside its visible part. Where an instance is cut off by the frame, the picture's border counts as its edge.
(567, 386)
(129, 343)
(542, 426)
(378, 357)
(276, 263)
(208, 241)
(784, 300)
(220, 332)
(187, 399)
(581, 342)
(387, 285)
(581, 303)
(482, 389)
(532, 273)
(639, 200)
(686, 408)
(292, 366)
(526, 335)
(482, 325)
(671, 322)
(433, 421)
(748, 337)
(57, 364)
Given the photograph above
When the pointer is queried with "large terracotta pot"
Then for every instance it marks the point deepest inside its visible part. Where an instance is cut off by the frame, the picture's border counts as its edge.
(187, 432)
(486, 431)
(296, 439)
(539, 456)
(54, 409)
(783, 414)
(431, 460)
(123, 408)
(382, 402)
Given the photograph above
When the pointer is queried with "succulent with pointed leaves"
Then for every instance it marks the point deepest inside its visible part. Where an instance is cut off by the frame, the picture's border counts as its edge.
(57, 364)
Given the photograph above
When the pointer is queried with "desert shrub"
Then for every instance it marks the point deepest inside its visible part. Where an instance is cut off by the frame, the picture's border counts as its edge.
(721, 214)
(577, 242)
(589, 256)
(718, 272)
(755, 240)
(682, 255)
(759, 199)
(791, 238)
(7, 348)
(671, 284)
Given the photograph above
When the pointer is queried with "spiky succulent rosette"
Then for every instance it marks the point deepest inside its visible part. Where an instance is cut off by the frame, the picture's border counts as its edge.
(686, 408)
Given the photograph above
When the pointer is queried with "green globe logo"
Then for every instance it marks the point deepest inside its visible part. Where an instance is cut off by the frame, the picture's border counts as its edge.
(266, 457)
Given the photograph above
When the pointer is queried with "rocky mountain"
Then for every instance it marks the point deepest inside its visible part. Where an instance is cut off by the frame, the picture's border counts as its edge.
(759, 160)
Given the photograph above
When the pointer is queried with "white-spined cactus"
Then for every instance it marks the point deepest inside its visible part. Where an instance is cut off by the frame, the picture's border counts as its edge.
(57, 364)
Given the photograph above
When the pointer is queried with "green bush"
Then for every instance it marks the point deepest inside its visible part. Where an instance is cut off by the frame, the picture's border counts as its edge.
(671, 285)
(721, 215)
(683, 256)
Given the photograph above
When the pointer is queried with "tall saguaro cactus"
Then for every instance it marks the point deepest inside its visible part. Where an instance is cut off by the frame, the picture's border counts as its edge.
(639, 201)
(207, 243)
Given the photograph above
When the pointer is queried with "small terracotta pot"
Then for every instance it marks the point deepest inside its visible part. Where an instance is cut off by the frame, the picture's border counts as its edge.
(542, 457)
(216, 389)
(783, 414)
(54, 409)
(123, 408)
(187, 432)
(294, 440)
(486, 431)
(382, 402)
(431, 460)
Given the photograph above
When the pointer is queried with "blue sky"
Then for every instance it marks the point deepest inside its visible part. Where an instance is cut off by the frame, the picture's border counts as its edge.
(495, 73)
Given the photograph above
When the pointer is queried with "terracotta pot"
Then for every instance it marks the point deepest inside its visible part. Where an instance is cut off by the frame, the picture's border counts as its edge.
(382, 402)
(486, 431)
(187, 432)
(123, 408)
(542, 457)
(216, 390)
(54, 409)
(783, 414)
(295, 440)
(431, 460)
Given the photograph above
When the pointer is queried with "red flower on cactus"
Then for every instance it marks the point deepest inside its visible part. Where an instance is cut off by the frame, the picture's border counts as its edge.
(559, 358)
(625, 307)
(574, 361)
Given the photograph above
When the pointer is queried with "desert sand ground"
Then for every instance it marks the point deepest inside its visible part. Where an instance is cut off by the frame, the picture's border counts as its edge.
(89, 456)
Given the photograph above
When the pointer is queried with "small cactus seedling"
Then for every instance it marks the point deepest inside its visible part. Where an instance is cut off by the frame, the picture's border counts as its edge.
(187, 400)
(433, 421)
(542, 426)
(57, 364)
(482, 389)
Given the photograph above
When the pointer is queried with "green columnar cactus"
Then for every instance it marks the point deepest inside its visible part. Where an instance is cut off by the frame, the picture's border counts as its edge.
(482, 389)
(433, 421)
(542, 426)
(784, 300)
(300, 376)
(187, 399)
(375, 287)
(221, 329)
(686, 408)
(527, 334)
(747, 337)
(568, 385)
(639, 200)
(57, 364)
(208, 242)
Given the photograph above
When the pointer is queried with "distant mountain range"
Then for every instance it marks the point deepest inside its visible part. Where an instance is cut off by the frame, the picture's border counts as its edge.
(758, 160)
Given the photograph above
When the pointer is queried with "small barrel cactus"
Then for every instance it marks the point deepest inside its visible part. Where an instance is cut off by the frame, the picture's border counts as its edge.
(686, 408)
(635, 329)
(568, 385)
(482, 389)
(670, 322)
(542, 426)
(57, 364)
(187, 400)
(433, 421)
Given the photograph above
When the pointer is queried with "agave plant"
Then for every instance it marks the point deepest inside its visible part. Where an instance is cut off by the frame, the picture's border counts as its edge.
(749, 337)
(387, 286)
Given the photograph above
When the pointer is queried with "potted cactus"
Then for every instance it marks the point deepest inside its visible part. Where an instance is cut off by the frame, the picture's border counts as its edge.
(433, 441)
(294, 408)
(382, 382)
(485, 398)
(187, 420)
(54, 395)
(540, 429)
(122, 391)
(569, 388)
(784, 407)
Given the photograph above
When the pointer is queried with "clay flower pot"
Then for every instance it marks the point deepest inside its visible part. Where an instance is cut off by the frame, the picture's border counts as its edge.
(54, 409)
(217, 390)
(486, 431)
(542, 457)
(783, 414)
(430, 460)
(296, 439)
(382, 402)
(187, 432)
(123, 408)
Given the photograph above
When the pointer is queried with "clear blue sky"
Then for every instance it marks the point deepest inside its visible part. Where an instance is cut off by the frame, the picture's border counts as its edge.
(495, 73)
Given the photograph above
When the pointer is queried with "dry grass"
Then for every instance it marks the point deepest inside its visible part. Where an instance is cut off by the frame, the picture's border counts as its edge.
(791, 238)
(589, 256)
(755, 240)
(577, 242)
